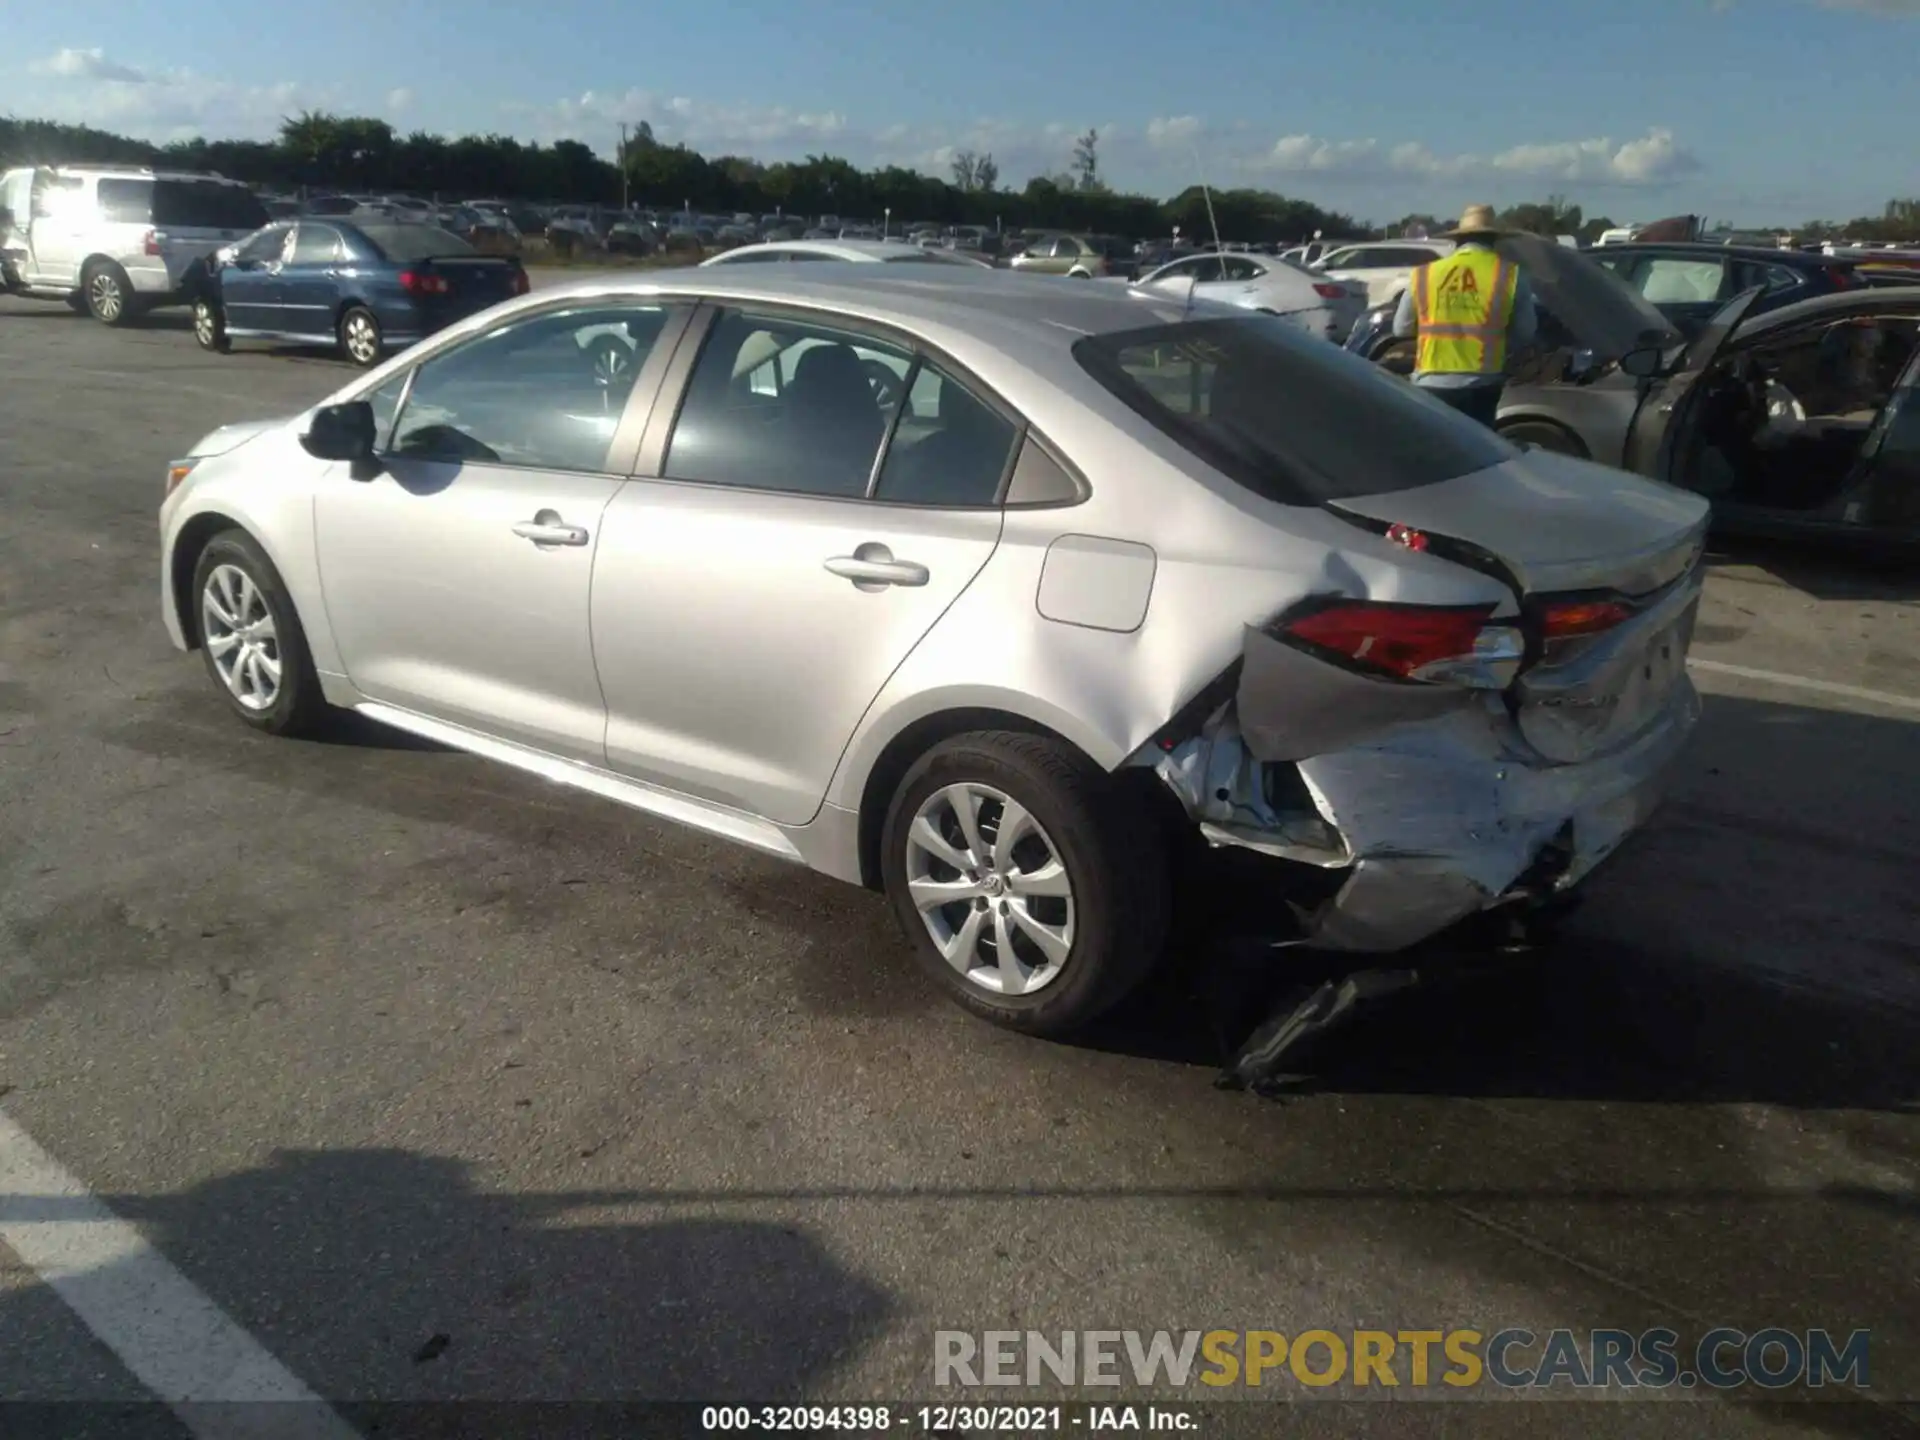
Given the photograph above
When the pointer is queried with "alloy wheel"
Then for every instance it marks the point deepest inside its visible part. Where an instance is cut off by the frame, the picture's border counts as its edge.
(612, 363)
(104, 295)
(363, 340)
(990, 886)
(204, 328)
(237, 628)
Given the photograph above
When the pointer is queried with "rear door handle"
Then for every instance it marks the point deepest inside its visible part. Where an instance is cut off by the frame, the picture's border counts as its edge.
(874, 565)
(547, 528)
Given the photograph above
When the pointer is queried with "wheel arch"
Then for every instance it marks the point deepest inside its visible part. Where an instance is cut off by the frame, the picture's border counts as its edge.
(904, 750)
(1524, 419)
(192, 539)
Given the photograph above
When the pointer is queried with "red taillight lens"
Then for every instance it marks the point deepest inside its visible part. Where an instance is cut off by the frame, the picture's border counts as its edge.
(521, 285)
(1413, 642)
(151, 244)
(1330, 292)
(1572, 619)
(416, 282)
(1842, 277)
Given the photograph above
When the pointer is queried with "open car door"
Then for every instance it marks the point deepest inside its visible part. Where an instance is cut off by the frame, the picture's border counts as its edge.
(1649, 446)
(1890, 463)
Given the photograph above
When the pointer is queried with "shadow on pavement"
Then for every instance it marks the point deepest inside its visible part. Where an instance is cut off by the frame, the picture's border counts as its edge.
(1856, 570)
(385, 1276)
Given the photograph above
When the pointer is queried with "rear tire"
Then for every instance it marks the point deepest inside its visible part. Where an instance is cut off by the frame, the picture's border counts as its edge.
(210, 326)
(107, 293)
(360, 340)
(1082, 906)
(250, 637)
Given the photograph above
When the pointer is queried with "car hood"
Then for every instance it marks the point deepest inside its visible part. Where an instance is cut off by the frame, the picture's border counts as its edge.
(232, 437)
(1601, 311)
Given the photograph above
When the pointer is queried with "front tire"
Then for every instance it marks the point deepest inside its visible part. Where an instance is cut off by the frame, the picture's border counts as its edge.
(360, 339)
(251, 640)
(210, 326)
(107, 293)
(1030, 886)
(1543, 435)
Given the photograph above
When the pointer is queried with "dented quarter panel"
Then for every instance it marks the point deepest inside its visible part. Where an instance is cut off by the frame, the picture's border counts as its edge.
(1292, 705)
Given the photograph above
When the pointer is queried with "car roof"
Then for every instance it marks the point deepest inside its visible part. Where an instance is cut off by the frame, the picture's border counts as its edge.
(1744, 252)
(1836, 306)
(858, 250)
(986, 305)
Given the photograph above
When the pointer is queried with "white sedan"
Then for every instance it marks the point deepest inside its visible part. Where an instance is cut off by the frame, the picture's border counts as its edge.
(1262, 282)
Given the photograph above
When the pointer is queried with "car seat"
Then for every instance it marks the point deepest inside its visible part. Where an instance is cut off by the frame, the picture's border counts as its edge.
(833, 419)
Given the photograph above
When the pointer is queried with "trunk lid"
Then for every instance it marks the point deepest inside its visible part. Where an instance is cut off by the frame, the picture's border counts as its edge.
(1601, 311)
(473, 282)
(1577, 543)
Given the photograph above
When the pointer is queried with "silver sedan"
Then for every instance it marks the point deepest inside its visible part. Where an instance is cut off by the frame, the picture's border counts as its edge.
(1098, 578)
(1315, 303)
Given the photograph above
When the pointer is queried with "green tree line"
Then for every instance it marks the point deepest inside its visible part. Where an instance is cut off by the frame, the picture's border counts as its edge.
(323, 151)
(317, 150)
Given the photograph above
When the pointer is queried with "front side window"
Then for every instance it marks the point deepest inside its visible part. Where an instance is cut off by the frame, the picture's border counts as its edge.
(534, 393)
(1287, 415)
(265, 248)
(775, 404)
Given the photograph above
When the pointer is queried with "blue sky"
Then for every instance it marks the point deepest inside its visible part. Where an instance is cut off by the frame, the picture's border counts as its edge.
(1754, 111)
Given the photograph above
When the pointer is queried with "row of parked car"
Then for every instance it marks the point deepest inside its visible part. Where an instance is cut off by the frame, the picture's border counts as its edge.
(1808, 358)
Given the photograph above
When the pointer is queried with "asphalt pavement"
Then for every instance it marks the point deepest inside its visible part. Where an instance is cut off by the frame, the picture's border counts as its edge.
(428, 1081)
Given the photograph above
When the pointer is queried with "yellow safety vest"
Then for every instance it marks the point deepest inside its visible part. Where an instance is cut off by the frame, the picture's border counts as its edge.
(1463, 304)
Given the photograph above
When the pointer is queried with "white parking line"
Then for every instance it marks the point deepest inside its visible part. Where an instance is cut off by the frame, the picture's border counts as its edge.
(1806, 682)
(175, 1340)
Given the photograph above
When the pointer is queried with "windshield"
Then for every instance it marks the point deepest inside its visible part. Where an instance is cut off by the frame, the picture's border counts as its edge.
(206, 205)
(404, 243)
(1287, 415)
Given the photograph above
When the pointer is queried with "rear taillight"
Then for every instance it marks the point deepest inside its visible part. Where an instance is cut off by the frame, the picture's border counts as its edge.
(1330, 292)
(521, 285)
(1842, 277)
(416, 282)
(1452, 644)
(150, 243)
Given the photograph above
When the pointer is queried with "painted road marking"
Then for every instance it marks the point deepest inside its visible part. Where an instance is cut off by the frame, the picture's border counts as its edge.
(1803, 682)
(179, 1344)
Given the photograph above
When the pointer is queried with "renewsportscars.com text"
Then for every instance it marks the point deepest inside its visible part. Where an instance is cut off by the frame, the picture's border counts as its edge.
(1514, 1359)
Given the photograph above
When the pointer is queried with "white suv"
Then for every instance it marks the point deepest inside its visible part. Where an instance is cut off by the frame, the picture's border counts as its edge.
(116, 240)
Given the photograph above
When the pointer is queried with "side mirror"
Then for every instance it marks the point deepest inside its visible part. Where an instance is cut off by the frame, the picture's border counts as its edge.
(1581, 365)
(1642, 364)
(341, 432)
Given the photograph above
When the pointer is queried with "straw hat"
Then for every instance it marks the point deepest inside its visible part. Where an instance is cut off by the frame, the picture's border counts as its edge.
(1475, 221)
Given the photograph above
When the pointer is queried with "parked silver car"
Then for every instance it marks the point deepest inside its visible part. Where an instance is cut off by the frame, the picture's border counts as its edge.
(1263, 282)
(1103, 577)
(114, 241)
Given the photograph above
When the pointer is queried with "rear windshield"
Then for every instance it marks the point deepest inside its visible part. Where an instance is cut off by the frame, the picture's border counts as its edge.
(206, 205)
(406, 243)
(1286, 414)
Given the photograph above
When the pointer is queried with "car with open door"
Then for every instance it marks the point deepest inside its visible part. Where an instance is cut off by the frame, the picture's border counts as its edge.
(1797, 420)
(365, 289)
(1102, 581)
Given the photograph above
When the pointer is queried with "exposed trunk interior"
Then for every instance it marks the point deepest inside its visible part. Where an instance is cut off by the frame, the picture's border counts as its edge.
(1781, 424)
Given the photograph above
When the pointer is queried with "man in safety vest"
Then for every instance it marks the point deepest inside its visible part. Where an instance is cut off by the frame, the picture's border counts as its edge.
(1466, 312)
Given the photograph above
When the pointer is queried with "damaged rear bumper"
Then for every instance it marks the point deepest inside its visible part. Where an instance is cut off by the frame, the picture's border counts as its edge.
(1432, 821)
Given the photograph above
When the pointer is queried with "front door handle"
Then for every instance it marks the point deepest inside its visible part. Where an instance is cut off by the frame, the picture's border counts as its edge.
(547, 528)
(871, 567)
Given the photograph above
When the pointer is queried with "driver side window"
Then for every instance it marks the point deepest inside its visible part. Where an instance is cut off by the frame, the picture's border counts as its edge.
(544, 392)
(266, 247)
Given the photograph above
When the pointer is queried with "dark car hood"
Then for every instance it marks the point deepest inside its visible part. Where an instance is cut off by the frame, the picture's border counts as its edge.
(1598, 308)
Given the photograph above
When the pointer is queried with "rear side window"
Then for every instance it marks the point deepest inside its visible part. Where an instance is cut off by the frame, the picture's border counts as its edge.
(126, 202)
(206, 205)
(949, 449)
(316, 245)
(1287, 415)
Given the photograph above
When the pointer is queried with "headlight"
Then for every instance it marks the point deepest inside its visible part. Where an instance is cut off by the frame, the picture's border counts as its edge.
(178, 471)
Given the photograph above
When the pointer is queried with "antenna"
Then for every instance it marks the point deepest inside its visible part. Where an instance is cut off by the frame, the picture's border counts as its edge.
(1207, 194)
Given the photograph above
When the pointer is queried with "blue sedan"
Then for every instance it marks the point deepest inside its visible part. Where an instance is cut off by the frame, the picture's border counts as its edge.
(363, 289)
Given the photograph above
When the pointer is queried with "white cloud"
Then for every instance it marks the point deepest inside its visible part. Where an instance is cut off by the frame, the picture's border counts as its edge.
(1653, 159)
(399, 99)
(87, 87)
(713, 128)
(1174, 132)
(75, 64)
